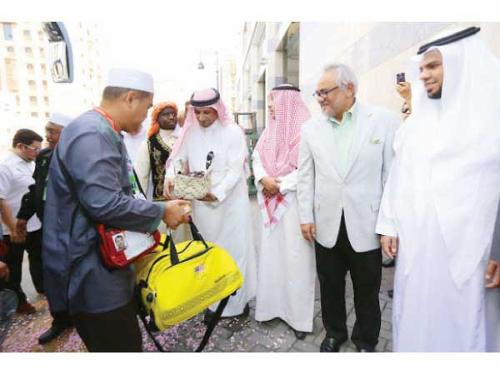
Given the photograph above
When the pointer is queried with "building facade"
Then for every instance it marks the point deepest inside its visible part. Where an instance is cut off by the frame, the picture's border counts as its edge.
(292, 52)
(27, 93)
(24, 75)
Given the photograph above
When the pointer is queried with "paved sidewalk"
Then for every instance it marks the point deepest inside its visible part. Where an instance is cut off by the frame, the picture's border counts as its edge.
(276, 336)
(231, 335)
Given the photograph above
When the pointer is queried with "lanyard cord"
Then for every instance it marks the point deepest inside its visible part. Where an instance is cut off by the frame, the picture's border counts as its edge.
(108, 117)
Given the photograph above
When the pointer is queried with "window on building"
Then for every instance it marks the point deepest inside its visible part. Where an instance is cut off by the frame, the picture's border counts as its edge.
(34, 114)
(31, 68)
(44, 69)
(18, 100)
(46, 100)
(45, 85)
(32, 84)
(40, 36)
(33, 100)
(42, 52)
(47, 114)
(27, 35)
(28, 51)
(10, 49)
(11, 72)
(8, 31)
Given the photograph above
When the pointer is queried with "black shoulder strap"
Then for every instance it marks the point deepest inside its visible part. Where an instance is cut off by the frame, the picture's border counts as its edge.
(139, 183)
(195, 233)
(213, 322)
(208, 332)
(148, 330)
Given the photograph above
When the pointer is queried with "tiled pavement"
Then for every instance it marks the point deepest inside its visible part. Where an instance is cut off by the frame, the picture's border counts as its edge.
(231, 335)
(276, 336)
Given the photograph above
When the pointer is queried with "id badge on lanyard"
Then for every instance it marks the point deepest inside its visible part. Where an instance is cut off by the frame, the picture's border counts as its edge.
(136, 192)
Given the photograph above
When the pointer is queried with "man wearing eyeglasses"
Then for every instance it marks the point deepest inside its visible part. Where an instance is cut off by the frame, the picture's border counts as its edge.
(344, 160)
(16, 172)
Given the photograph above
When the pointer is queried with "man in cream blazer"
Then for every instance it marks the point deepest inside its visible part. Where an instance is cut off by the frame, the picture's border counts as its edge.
(345, 155)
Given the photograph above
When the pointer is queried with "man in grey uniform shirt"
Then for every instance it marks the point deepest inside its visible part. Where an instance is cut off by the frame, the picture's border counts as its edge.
(91, 149)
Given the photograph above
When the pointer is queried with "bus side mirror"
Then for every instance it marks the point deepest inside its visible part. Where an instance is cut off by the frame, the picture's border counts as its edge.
(59, 67)
(60, 54)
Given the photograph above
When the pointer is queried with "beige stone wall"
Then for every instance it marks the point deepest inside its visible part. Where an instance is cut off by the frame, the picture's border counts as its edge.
(376, 51)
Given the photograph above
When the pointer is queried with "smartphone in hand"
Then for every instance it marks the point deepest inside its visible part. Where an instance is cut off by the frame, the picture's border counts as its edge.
(400, 78)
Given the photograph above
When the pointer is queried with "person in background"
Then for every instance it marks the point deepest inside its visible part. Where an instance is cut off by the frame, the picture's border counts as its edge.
(440, 202)
(223, 216)
(16, 172)
(285, 287)
(134, 140)
(155, 150)
(344, 160)
(33, 203)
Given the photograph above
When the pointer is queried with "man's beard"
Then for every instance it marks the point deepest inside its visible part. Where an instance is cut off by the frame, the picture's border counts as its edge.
(436, 95)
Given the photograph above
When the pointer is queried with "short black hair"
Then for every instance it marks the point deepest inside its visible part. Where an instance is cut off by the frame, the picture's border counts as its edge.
(26, 137)
(113, 93)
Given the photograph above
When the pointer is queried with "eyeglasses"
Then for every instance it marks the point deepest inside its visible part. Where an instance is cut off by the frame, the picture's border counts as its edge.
(36, 149)
(324, 92)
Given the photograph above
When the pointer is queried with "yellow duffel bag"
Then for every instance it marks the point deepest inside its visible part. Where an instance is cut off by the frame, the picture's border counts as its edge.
(176, 282)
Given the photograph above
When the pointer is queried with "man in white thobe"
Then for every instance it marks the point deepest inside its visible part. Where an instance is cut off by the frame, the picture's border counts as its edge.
(439, 204)
(287, 274)
(223, 216)
(134, 140)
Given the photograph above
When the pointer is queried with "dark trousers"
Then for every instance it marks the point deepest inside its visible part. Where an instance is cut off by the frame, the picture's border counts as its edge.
(61, 319)
(15, 255)
(113, 331)
(366, 274)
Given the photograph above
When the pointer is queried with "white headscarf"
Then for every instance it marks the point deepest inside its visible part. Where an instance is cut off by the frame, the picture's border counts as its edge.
(465, 155)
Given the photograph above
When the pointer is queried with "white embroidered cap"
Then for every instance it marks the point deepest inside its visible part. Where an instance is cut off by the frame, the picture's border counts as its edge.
(59, 119)
(130, 79)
